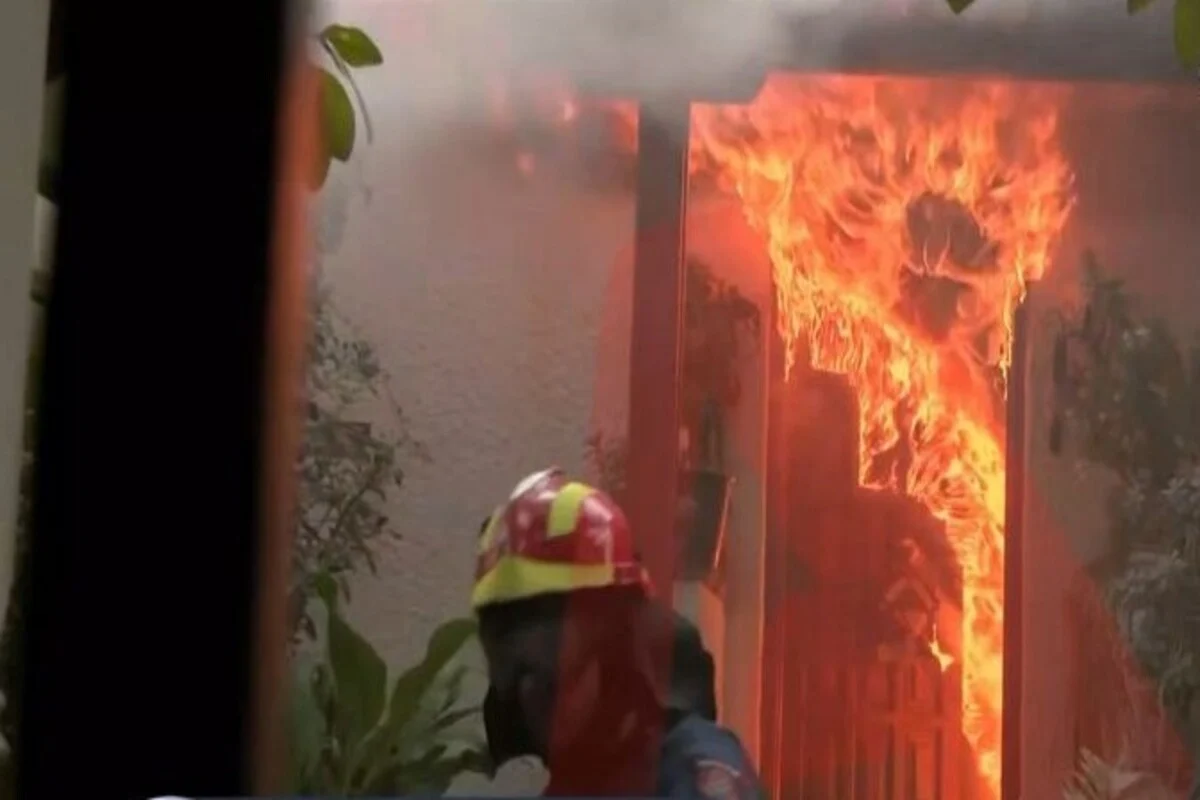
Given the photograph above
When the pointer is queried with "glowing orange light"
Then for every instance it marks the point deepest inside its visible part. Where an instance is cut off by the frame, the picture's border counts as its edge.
(866, 190)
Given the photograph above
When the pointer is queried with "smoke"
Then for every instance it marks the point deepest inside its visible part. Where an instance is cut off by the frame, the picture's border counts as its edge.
(445, 59)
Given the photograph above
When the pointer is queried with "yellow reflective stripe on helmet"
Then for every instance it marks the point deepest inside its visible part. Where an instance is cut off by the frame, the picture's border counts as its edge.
(564, 511)
(517, 578)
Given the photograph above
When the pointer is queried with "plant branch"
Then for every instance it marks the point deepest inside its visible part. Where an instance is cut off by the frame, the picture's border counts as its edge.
(345, 72)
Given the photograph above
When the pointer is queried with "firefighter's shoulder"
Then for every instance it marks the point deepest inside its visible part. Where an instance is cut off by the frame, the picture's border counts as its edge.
(703, 761)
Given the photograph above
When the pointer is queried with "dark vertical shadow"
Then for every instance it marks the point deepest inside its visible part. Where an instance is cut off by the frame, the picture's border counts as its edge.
(146, 504)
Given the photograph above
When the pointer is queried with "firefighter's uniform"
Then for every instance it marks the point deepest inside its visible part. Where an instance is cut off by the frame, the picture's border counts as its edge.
(556, 536)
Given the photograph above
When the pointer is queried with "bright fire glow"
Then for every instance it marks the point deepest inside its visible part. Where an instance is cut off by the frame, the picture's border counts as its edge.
(943, 658)
(904, 219)
(868, 192)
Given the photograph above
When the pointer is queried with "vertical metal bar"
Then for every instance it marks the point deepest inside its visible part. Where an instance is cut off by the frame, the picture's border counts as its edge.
(657, 336)
(1014, 510)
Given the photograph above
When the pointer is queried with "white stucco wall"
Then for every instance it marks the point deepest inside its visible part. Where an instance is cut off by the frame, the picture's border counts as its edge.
(499, 305)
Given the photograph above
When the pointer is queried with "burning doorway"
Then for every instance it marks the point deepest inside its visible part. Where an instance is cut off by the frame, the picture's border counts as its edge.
(904, 219)
(900, 222)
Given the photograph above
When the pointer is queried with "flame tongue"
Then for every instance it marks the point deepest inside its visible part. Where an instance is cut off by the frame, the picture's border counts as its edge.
(904, 220)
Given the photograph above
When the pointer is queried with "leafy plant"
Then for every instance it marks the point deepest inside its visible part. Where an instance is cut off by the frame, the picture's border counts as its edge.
(347, 49)
(1186, 24)
(1125, 389)
(1127, 398)
(354, 732)
(349, 468)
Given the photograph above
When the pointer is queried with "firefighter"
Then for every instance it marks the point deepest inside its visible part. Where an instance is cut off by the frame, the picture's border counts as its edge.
(572, 637)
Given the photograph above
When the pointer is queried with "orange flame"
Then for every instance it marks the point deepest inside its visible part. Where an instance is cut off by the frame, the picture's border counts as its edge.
(943, 658)
(904, 220)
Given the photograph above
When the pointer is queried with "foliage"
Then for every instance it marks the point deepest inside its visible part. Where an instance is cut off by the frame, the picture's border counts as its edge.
(351, 736)
(1127, 396)
(1187, 25)
(347, 49)
(349, 468)
(1128, 399)
(1156, 601)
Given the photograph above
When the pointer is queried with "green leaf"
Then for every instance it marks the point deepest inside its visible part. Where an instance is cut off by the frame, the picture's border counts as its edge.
(326, 588)
(1187, 32)
(452, 718)
(337, 117)
(353, 46)
(360, 677)
(438, 773)
(412, 686)
(1134, 6)
(959, 6)
(306, 725)
(410, 716)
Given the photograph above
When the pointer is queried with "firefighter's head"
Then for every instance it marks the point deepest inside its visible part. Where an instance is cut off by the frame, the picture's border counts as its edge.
(557, 589)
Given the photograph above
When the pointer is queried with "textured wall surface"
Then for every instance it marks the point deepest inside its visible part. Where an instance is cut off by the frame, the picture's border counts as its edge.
(485, 307)
(491, 299)
(484, 295)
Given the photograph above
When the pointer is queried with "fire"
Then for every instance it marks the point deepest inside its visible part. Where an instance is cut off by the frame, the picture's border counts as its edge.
(904, 220)
(943, 658)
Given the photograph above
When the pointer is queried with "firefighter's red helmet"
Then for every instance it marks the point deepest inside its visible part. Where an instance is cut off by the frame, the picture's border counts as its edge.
(553, 536)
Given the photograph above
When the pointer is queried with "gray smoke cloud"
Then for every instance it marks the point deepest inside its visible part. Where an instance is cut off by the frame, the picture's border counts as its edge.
(442, 55)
